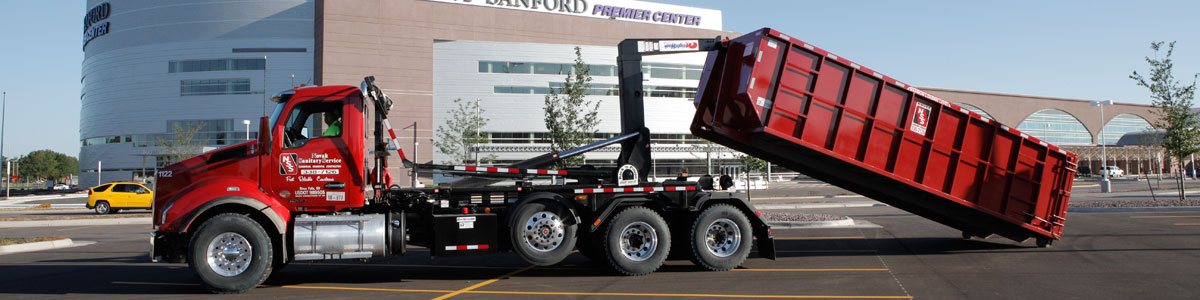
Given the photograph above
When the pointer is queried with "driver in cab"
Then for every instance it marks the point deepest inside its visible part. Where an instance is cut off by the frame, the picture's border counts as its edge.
(333, 124)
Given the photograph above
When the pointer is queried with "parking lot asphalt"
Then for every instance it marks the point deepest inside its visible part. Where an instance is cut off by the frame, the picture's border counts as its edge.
(1116, 255)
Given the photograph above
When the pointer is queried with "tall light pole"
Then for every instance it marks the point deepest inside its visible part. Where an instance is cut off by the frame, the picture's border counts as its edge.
(414, 151)
(1105, 184)
(247, 123)
(4, 119)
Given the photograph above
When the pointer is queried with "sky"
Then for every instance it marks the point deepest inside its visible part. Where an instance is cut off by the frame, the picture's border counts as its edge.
(1069, 49)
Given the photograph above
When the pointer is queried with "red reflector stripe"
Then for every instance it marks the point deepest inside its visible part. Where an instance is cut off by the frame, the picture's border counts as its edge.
(467, 247)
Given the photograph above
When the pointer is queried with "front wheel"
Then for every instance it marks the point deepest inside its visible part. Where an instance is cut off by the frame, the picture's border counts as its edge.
(637, 241)
(231, 253)
(721, 238)
(539, 233)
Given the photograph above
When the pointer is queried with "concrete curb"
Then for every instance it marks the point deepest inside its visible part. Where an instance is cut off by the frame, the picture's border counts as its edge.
(76, 222)
(1133, 209)
(36, 246)
(811, 224)
(815, 205)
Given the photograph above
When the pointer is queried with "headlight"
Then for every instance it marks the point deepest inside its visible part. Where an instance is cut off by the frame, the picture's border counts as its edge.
(162, 219)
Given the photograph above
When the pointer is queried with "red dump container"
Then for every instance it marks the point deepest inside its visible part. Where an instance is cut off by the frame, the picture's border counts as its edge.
(781, 99)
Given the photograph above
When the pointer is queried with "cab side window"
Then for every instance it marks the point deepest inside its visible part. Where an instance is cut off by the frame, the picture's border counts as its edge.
(312, 120)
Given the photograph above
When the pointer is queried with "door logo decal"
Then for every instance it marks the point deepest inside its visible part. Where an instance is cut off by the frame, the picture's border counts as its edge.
(920, 121)
(287, 164)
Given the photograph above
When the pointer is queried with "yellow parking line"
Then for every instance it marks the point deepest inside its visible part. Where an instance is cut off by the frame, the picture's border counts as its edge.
(340, 288)
(820, 238)
(1161, 217)
(604, 294)
(481, 284)
(814, 270)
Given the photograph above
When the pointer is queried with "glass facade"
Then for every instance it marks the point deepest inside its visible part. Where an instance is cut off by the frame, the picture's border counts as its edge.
(600, 89)
(653, 70)
(227, 64)
(208, 133)
(206, 87)
(1122, 124)
(1056, 127)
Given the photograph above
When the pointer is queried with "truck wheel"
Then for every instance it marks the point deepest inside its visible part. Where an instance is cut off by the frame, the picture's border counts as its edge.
(230, 253)
(539, 233)
(637, 241)
(721, 238)
(1044, 242)
(102, 208)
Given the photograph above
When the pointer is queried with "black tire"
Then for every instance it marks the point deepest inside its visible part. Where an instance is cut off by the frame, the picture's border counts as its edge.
(635, 221)
(536, 237)
(732, 234)
(103, 208)
(1044, 242)
(226, 228)
(966, 236)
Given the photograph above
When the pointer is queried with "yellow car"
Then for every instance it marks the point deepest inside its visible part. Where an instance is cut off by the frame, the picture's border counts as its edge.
(112, 197)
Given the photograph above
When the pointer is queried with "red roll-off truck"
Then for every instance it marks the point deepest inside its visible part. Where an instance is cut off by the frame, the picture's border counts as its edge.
(236, 213)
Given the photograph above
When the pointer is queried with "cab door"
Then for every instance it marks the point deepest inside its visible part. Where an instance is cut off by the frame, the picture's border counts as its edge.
(121, 195)
(317, 168)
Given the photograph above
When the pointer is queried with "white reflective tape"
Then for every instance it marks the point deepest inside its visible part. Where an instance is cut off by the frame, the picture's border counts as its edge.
(900, 84)
(1043, 144)
(1004, 127)
(451, 248)
(964, 111)
(759, 58)
(807, 46)
(1024, 136)
(785, 37)
(833, 57)
(877, 75)
(472, 247)
(772, 44)
(855, 66)
(752, 81)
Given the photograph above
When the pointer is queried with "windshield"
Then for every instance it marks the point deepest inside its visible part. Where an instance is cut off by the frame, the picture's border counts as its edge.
(275, 115)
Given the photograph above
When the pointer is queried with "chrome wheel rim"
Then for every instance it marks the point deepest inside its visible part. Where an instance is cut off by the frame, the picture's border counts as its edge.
(638, 241)
(102, 207)
(723, 237)
(229, 254)
(544, 231)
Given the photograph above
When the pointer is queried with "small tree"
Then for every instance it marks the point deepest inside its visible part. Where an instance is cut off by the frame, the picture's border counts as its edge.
(1173, 102)
(571, 118)
(751, 163)
(47, 165)
(181, 145)
(461, 134)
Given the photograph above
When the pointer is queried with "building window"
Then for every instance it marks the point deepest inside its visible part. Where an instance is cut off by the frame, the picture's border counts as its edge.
(1056, 127)
(204, 87)
(1122, 124)
(599, 89)
(652, 70)
(226, 64)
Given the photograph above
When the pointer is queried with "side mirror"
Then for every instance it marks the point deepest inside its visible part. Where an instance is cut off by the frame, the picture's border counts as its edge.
(264, 135)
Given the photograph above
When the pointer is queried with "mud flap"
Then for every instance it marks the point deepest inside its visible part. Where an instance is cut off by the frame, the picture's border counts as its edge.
(766, 243)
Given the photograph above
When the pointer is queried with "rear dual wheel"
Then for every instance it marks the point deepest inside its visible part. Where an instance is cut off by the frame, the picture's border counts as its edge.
(539, 233)
(720, 238)
(637, 241)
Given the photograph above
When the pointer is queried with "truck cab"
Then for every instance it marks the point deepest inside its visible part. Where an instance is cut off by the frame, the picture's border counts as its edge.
(315, 187)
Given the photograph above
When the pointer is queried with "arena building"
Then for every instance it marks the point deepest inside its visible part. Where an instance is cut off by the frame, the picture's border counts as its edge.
(153, 66)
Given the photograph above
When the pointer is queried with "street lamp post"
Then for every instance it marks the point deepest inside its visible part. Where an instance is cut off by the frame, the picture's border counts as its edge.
(1105, 184)
(4, 119)
(414, 151)
(247, 123)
